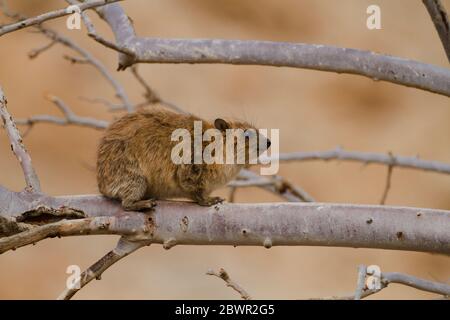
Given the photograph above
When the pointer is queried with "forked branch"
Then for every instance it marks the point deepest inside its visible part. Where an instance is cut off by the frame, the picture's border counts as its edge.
(382, 280)
(281, 54)
(50, 15)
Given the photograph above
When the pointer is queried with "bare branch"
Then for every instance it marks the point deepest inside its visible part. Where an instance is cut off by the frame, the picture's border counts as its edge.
(93, 33)
(441, 22)
(101, 225)
(87, 57)
(388, 180)
(296, 55)
(420, 284)
(387, 278)
(36, 52)
(70, 118)
(268, 224)
(51, 15)
(26, 214)
(110, 105)
(232, 194)
(276, 184)
(75, 60)
(222, 274)
(18, 147)
(123, 249)
(367, 158)
(151, 95)
(36, 234)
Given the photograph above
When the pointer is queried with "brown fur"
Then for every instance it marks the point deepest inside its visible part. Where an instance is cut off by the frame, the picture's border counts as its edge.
(134, 162)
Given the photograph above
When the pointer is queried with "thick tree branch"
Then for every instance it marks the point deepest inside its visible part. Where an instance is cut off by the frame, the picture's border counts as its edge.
(18, 147)
(297, 55)
(51, 15)
(270, 224)
(317, 57)
(441, 22)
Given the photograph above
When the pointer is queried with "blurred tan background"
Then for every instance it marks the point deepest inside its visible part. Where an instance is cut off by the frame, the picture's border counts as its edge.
(313, 110)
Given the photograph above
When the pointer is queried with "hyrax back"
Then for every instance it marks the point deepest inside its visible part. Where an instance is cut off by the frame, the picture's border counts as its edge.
(134, 161)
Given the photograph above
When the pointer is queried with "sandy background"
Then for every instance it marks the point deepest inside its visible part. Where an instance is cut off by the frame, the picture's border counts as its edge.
(313, 110)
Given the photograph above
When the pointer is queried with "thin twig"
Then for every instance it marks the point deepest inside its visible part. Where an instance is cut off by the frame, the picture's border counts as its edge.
(51, 15)
(441, 22)
(36, 52)
(222, 274)
(87, 57)
(122, 249)
(75, 60)
(276, 184)
(387, 278)
(388, 180)
(17, 146)
(367, 158)
(110, 105)
(150, 95)
(70, 118)
(232, 194)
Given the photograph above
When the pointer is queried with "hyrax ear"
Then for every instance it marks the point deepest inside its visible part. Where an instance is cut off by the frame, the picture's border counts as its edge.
(221, 124)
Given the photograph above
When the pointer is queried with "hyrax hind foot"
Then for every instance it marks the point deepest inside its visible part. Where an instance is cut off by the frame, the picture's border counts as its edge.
(141, 205)
(210, 201)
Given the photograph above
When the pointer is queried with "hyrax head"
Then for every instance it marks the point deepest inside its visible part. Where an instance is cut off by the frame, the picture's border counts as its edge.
(243, 143)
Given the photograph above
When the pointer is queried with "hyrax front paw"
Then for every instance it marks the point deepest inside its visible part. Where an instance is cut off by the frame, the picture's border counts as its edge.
(142, 205)
(210, 201)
